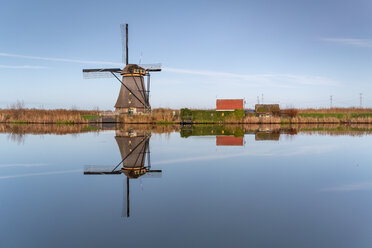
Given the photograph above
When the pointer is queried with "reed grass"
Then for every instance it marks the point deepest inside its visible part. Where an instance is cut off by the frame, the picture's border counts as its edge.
(160, 116)
(60, 116)
(335, 110)
(17, 114)
(44, 129)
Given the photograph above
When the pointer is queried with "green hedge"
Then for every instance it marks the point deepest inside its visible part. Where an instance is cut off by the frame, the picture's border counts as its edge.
(211, 116)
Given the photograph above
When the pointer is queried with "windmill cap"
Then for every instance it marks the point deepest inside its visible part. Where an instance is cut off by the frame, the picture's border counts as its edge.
(134, 172)
(133, 69)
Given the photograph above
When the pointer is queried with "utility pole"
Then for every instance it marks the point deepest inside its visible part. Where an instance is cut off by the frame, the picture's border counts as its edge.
(330, 101)
(262, 99)
(258, 100)
(360, 100)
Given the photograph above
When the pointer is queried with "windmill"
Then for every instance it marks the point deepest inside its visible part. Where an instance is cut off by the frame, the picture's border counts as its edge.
(134, 148)
(133, 97)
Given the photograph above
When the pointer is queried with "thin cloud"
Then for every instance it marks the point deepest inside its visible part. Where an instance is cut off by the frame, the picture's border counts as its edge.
(210, 157)
(21, 165)
(305, 150)
(350, 187)
(40, 174)
(319, 149)
(268, 79)
(22, 67)
(78, 61)
(350, 42)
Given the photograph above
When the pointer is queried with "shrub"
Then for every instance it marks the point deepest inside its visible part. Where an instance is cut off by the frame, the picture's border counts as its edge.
(289, 112)
(239, 113)
(186, 114)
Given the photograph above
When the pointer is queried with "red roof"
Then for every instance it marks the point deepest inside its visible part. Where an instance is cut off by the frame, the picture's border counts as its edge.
(229, 141)
(229, 104)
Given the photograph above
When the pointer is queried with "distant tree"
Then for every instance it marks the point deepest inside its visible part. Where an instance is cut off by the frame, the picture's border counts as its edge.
(18, 105)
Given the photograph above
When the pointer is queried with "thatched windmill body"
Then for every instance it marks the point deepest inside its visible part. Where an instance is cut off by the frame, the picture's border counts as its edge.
(134, 96)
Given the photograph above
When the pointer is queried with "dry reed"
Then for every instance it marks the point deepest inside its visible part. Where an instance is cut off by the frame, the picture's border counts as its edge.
(335, 110)
(43, 116)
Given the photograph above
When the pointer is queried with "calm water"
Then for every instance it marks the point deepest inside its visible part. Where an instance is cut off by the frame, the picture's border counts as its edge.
(263, 189)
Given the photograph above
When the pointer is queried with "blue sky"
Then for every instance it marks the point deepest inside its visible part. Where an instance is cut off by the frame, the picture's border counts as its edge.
(296, 53)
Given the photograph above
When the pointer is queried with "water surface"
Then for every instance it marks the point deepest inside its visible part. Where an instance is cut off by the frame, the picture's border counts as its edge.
(204, 187)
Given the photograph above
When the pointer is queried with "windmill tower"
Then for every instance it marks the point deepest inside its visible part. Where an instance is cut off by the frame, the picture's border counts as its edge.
(133, 97)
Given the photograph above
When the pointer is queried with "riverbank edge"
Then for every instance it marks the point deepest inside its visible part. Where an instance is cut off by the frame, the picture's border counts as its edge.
(180, 117)
(190, 123)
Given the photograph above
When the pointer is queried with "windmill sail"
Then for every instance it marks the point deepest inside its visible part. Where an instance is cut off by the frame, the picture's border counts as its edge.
(133, 97)
(101, 170)
(151, 67)
(101, 73)
(124, 43)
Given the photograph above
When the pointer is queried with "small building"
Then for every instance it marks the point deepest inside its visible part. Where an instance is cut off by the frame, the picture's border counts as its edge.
(267, 110)
(229, 104)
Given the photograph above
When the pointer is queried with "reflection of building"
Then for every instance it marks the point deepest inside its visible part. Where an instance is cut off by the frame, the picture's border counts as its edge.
(211, 130)
(233, 135)
(134, 149)
(229, 141)
(267, 135)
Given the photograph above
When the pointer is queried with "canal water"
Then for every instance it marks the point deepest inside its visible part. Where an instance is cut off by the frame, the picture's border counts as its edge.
(186, 187)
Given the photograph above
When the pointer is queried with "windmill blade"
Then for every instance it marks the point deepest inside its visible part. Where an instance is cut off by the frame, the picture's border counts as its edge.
(101, 73)
(100, 170)
(124, 42)
(153, 174)
(151, 67)
(140, 58)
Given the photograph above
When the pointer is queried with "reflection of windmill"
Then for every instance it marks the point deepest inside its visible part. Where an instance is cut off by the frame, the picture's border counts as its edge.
(134, 148)
(133, 96)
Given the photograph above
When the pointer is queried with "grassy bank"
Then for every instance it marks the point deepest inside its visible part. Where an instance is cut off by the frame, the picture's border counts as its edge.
(286, 116)
(163, 116)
